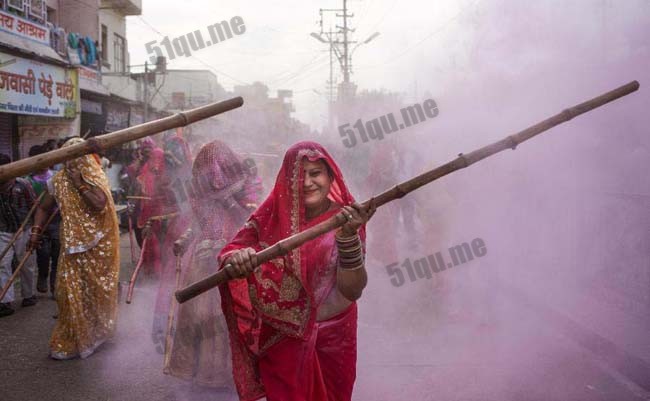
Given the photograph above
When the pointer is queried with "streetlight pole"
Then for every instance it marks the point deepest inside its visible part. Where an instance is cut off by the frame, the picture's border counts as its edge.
(146, 92)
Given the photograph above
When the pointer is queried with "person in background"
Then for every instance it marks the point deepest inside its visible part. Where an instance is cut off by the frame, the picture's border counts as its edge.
(16, 199)
(151, 177)
(221, 203)
(132, 185)
(50, 145)
(47, 255)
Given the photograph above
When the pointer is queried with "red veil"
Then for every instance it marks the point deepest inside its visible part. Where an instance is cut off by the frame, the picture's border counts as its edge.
(149, 179)
(280, 300)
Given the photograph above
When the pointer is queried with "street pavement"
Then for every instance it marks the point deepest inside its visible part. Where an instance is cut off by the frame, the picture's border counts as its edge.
(447, 357)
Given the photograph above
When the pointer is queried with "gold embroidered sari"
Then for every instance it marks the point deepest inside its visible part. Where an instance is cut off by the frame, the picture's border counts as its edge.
(89, 263)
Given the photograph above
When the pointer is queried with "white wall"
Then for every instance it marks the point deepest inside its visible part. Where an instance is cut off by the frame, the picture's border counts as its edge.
(200, 87)
(116, 23)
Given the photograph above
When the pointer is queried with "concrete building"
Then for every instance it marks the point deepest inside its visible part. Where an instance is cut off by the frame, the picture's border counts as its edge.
(64, 70)
(39, 91)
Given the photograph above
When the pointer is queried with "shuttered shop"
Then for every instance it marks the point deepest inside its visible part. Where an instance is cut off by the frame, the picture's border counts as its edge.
(6, 132)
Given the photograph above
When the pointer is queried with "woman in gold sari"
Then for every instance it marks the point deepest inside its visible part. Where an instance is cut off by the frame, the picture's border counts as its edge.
(89, 261)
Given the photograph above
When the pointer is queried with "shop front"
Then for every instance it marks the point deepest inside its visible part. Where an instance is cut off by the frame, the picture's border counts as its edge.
(38, 101)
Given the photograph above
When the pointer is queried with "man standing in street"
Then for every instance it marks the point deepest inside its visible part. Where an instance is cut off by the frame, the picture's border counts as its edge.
(16, 199)
(47, 254)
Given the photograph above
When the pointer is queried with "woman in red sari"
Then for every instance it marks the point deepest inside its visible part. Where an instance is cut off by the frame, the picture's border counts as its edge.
(149, 180)
(293, 321)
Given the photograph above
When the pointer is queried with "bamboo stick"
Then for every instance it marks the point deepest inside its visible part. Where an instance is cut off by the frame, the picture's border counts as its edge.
(102, 142)
(22, 226)
(24, 260)
(164, 216)
(134, 276)
(170, 318)
(131, 239)
(398, 191)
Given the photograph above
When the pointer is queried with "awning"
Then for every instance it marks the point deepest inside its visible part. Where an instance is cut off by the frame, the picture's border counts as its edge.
(30, 47)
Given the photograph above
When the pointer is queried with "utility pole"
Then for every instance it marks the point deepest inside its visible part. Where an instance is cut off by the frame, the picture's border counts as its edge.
(346, 58)
(339, 43)
(146, 92)
(330, 89)
(160, 68)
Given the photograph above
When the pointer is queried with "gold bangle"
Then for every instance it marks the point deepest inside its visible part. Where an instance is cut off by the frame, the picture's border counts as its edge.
(349, 247)
(348, 269)
(346, 238)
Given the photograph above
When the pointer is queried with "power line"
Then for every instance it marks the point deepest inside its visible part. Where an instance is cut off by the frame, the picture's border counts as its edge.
(314, 61)
(428, 36)
(310, 73)
(195, 57)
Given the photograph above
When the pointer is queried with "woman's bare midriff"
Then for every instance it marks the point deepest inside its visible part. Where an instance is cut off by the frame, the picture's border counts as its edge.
(334, 304)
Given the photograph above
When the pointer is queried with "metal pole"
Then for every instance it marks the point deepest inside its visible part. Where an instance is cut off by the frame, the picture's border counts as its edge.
(146, 92)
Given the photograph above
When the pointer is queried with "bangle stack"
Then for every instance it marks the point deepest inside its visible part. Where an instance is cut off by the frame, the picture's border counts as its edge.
(36, 230)
(350, 252)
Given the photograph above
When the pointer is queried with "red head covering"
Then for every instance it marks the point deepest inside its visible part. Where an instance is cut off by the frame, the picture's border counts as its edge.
(147, 142)
(283, 294)
(216, 170)
(214, 166)
(283, 212)
(177, 144)
(150, 180)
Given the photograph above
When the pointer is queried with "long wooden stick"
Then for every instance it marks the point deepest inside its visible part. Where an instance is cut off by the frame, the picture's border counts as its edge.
(131, 239)
(22, 226)
(462, 161)
(24, 260)
(134, 276)
(164, 216)
(100, 143)
(170, 318)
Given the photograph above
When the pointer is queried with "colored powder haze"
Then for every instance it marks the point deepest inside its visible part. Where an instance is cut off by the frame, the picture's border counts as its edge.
(558, 307)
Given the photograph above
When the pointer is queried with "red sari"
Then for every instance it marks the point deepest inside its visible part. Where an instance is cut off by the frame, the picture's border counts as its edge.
(170, 198)
(279, 349)
(149, 180)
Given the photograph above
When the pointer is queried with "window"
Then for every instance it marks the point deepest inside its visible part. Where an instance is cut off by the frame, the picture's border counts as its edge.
(16, 5)
(104, 44)
(51, 16)
(119, 53)
(37, 10)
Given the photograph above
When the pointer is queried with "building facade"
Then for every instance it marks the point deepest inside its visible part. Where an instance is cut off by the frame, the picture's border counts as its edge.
(64, 70)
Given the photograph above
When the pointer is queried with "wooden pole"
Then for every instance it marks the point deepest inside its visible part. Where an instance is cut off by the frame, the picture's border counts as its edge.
(102, 142)
(170, 318)
(131, 239)
(22, 226)
(24, 260)
(164, 216)
(134, 276)
(462, 161)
